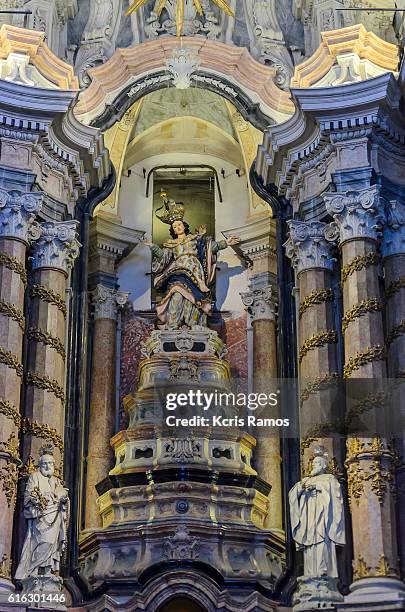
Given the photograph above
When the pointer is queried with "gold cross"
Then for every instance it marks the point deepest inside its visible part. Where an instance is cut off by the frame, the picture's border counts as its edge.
(136, 4)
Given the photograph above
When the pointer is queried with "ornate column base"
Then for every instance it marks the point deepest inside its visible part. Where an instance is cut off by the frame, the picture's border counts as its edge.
(375, 595)
(316, 593)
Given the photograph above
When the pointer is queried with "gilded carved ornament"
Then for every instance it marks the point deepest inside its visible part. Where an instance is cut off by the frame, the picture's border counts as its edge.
(364, 463)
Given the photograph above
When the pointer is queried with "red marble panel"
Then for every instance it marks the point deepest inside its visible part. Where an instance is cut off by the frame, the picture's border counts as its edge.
(135, 329)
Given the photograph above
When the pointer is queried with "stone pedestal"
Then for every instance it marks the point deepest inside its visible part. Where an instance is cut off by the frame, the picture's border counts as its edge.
(175, 494)
(316, 593)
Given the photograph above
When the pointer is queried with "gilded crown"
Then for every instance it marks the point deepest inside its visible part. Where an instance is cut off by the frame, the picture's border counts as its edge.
(173, 211)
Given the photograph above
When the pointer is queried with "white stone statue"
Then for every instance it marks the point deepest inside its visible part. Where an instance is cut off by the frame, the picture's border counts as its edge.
(46, 507)
(318, 526)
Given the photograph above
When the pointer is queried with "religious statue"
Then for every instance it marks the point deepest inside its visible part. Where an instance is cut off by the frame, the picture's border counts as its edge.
(318, 527)
(184, 270)
(46, 507)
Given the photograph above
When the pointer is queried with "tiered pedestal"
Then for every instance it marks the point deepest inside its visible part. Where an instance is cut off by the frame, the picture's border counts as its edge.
(182, 502)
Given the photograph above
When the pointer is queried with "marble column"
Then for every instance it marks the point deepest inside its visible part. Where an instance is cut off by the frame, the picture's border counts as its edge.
(393, 251)
(17, 225)
(370, 461)
(53, 255)
(310, 247)
(261, 304)
(106, 303)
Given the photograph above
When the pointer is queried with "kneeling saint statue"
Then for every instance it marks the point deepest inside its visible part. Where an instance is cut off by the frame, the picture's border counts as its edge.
(46, 507)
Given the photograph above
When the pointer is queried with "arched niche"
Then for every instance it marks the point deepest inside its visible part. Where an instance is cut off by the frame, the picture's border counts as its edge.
(181, 604)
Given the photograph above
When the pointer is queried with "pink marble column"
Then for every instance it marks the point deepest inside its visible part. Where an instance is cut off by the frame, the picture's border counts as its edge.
(106, 302)
(370, 461)
(262, 305)
(17, 214)
(53, 255)
(310, 247)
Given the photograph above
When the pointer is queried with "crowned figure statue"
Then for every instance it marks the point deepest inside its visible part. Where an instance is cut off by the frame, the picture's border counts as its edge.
(184, 270)
(46, 507)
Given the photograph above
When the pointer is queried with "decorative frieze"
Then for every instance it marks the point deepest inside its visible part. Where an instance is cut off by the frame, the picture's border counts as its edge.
(261, 304)
(357, 214)
(394, 230)
(17, 215)
(310, 245)
(107, 302)
(56, 246)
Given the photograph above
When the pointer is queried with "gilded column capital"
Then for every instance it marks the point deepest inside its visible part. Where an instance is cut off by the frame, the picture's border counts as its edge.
(56, 246)
(18, 210)
(310, 245)
(107, 302)
(261, 303)
(357, 214)
(394, 230)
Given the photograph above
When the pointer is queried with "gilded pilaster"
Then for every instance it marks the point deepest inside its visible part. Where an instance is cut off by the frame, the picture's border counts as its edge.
(53, 255)
(17, 226)
(310, 247)
(369, 461)
(106, 303)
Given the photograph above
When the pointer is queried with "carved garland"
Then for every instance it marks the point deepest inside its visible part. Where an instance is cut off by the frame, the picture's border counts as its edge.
(40, 430)
(50, 296)
(11, 361)
(319, 384)
(394, 287)
(379, 476)
(362, 570)
(396, 332)
(317, 341)
(360, 309)
(373, 353)
(39, 335)
(9, 310)
(358, 263)
(315, 297)
(5, 568)
(10, 412)
(9, 472)
(44, 382)
(373, 400)
(15, 265)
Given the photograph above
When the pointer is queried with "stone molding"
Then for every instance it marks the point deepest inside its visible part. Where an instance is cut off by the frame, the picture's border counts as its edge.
(107, 302)
(17, 214)
(357, 214)
(31, 43)
(310, 245)
(110, 237)
(233, 63)
(56, 246)
(261, 304)
(394, 230)
(350, 40)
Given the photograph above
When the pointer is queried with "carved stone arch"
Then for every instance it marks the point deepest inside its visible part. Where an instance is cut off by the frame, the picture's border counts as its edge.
(227, 70)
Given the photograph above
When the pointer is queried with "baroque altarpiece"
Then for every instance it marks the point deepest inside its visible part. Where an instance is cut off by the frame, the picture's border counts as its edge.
(202, 195)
